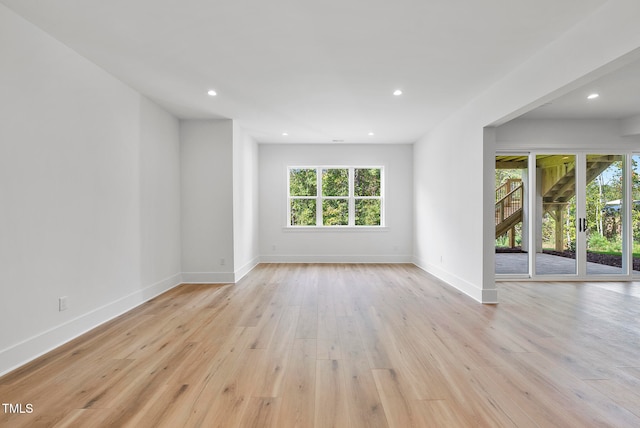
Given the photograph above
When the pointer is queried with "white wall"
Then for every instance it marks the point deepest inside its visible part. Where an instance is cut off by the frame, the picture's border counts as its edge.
(245, 202)
(159, 196)
(558, 134)
(72, 179)
(280, 244)
(206, 148)
(458, 151)
(630, 127)
(448, 199)
(219, 164)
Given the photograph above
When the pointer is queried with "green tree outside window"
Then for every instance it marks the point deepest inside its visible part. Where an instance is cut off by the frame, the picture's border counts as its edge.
(348, 196)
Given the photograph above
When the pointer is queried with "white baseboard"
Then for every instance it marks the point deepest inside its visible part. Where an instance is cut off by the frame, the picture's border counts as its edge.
(33, 347)
(478, 294)
(490, 296)
(208, 277)
(336, 259)
(240, 273)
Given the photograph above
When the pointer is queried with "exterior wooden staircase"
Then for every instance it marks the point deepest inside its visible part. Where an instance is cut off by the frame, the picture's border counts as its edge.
(509, 199)
(564, 188)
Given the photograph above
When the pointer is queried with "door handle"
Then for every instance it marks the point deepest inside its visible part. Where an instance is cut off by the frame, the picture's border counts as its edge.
(582, 224)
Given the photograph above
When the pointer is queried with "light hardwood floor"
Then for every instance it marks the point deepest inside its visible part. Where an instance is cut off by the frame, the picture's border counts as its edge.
(347, 346)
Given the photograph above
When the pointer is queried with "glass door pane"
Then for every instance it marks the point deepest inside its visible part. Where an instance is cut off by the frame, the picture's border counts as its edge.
(511, 215)
(604, 214)
(555, 247)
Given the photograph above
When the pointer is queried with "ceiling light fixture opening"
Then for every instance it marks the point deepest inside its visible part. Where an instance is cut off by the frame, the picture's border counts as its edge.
(371, 134)
(397, 92)
(285, 134)
(212, 93)
(593, 96)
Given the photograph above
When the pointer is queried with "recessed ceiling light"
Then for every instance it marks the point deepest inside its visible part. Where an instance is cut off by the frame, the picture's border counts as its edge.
(397, 92)
(284, 134)
(371, 134)
(212, 93)
(593, 96)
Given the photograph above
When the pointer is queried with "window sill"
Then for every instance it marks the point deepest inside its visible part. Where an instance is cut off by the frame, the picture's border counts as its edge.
(340, 229)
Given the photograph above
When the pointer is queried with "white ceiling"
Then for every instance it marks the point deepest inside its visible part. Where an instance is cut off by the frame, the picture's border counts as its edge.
(619, 98)
(319, 70)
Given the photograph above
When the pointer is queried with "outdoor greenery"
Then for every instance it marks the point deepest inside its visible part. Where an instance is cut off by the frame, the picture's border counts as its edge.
(367, 212)
(503, 241)
(502, 175)
(334, 200)
(335, 212)
(604, 221)
(303, 212)
(302, 182)
(367, 184)
(335, 182)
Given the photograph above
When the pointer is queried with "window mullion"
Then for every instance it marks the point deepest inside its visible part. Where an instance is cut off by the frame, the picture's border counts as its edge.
(319, 219)
(352, 203)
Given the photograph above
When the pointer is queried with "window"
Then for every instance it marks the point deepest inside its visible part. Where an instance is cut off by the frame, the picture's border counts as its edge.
(335, 196)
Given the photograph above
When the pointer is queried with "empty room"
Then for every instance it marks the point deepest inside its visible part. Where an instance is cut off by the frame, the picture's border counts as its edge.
(333, 214)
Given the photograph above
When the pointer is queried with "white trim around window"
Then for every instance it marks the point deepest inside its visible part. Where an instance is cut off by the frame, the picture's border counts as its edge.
(346, 204)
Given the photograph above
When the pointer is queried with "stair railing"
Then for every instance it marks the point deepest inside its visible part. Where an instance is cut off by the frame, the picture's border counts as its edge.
(509, 199)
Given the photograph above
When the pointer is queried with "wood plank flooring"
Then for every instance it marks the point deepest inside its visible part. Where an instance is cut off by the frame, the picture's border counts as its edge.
(348, 345)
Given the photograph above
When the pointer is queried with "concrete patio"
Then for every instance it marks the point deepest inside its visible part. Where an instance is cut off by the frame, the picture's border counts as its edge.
(547, 264)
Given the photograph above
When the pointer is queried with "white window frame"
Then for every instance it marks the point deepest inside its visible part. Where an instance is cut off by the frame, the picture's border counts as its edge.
(350, 197)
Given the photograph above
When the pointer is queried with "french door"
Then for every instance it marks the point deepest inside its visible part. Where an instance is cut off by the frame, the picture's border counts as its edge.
(578, 223)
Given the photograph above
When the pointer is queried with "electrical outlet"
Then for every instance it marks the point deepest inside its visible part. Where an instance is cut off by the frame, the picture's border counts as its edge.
(222, 262)
(62, 303)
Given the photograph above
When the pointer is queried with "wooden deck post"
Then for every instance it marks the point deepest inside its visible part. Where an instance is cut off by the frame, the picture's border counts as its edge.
(559, 217)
